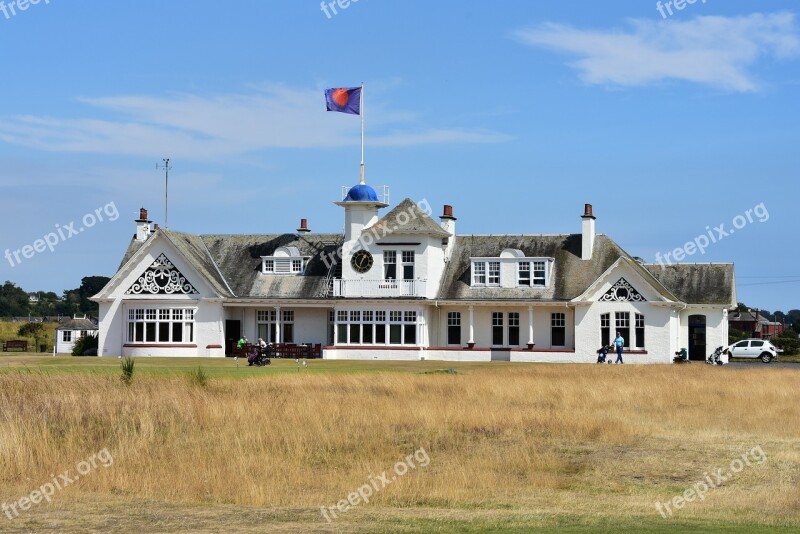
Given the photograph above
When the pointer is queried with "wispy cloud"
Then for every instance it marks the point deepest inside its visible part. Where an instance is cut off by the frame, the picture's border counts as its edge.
(202, 127)
(710, 50)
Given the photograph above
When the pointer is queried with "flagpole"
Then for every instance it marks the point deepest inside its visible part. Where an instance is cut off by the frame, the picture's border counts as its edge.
(361, 106)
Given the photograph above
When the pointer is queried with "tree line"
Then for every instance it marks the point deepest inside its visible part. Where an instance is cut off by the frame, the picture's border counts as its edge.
(16, 302)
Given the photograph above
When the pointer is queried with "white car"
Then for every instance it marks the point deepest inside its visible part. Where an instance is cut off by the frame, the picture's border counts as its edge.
(754, 348)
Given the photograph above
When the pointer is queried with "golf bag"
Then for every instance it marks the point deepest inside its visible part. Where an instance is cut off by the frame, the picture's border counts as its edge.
(602, 353)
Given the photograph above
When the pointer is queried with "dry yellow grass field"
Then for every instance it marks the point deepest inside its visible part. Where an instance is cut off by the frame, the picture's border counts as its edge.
(510, 447)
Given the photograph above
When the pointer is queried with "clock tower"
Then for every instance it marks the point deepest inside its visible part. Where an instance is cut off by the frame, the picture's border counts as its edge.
(361, 207)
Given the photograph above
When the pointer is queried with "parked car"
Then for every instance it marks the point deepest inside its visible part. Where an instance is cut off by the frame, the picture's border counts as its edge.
(754, 348)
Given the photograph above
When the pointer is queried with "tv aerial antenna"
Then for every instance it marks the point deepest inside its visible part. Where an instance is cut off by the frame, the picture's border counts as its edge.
(166, 166)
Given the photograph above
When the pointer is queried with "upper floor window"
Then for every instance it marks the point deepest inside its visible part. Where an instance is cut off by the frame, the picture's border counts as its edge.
(511, 271)
(282, 265)
(532, 273)
(390, 265)
(485, 273)
(408, 265)
(285, 260)
(479, 273)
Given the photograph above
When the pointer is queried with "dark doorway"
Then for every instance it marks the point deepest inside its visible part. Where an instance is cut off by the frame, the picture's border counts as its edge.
(697, 337)
(233, 331)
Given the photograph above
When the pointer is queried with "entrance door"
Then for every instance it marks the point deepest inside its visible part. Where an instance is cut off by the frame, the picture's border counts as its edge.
(233, 331)
(697, 337)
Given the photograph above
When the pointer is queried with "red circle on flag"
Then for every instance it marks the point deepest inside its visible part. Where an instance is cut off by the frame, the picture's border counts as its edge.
(341, 97)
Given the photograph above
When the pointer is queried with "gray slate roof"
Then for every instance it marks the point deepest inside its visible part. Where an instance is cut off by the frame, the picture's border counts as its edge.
(698, 283)
(571, 276)
(407, 219)
(77, 324)
(232, 265)
(239, 259)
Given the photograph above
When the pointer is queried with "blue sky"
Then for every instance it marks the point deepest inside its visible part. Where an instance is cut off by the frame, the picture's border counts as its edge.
(516, 113)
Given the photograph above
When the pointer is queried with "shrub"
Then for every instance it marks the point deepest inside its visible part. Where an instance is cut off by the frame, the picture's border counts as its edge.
(198, 377)
(127, 369)
(787, 341)
(85, 346)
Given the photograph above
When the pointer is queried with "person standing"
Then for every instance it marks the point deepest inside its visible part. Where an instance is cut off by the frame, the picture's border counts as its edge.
(619, 342)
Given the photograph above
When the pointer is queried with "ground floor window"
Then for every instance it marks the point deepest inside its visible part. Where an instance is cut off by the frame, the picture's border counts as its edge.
(623, 326)
(160, 325)
(605, 329)
(376, 327)
(497, 329)
(513, 329)
(267, 325)
(639, 331)
(505, 329)
(454, 328)
(67, 336)
(623, 323)
(558, 329)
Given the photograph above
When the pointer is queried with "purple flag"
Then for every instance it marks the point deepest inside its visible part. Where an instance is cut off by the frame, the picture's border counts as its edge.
(344, 100)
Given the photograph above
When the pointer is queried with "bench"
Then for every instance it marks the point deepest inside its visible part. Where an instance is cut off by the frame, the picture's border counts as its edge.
(20, 344)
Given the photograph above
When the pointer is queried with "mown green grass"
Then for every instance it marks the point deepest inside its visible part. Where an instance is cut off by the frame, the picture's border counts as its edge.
(224, 367)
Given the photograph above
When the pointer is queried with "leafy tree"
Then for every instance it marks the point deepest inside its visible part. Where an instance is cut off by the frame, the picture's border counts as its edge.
(91, 286)
(76, 301)
(13, 301)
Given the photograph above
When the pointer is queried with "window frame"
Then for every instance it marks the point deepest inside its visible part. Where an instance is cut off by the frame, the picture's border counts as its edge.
(639, 329)
(150, 325)
(377, 327)
(389, 264)
(454, 328)
(284, 265)
(555, 318)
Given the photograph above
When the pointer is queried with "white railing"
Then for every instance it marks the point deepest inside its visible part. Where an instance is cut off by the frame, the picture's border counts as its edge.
(379, 288)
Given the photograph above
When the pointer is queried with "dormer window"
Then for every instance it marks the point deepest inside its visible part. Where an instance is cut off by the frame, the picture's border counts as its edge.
(532, 273)
(485, 273)
(286, 260)
(511, 269)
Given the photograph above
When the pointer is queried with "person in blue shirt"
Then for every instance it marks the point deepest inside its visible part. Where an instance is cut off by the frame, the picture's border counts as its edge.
(619, 342)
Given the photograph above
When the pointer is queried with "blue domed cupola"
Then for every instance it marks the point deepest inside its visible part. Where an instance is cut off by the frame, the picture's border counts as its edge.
(361, 193)
(361, 207)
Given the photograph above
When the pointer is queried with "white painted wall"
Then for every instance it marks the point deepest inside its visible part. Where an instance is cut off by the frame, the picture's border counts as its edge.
(113, 312)
(658, 325)
(65, 347)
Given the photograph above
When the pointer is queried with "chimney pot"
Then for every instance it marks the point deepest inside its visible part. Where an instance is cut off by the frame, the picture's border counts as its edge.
(142, 214)
(303, 226)
(155, 227)
(448, 212)
(587, 210)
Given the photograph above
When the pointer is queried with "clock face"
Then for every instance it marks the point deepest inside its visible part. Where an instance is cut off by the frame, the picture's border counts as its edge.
(361, 261)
